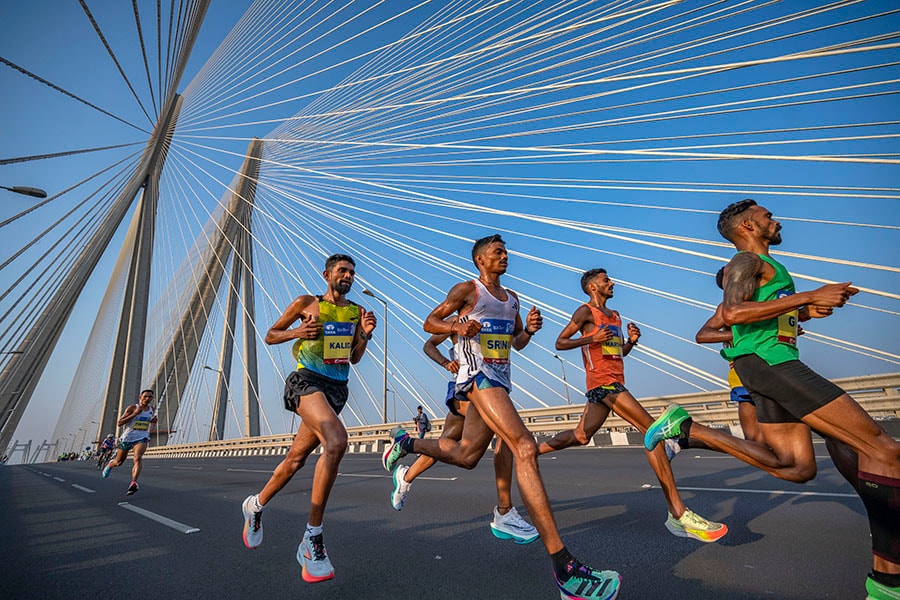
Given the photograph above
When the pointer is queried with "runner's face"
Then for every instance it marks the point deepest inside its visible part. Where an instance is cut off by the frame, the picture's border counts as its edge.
(604, 285)
(146, 399)
(494, 258)
(341, 277)
(769, 229)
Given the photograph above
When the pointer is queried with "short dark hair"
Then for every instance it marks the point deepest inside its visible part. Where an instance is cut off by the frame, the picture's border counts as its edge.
(720, 278)
(419, 407)
(728, 218)
(588, 276)
(335, 259)
(485, 241)
(145, 391)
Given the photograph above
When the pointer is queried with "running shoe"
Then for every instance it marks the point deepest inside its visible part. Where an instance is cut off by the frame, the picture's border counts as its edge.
(672, 448)
(584, 583)
(401, 488)
(668, 425)
(132, 488)
(106, 471)
(313, 559)
(253, 531)
(875, 590)
(692, 525)
(512, 526)
(394, 452)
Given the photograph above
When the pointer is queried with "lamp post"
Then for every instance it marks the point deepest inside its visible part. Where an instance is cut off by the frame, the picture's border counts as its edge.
(214, 433)
(26, 191)
(562, 364)
(368, 292)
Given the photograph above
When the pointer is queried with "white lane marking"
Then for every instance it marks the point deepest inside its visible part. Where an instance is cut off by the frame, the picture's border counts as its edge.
(58, 479)
(249, 470)
(46, 474)
(83, 489)
(727, 456)
(159, 518)
(190, 468)
(776, 492)
(382, 476)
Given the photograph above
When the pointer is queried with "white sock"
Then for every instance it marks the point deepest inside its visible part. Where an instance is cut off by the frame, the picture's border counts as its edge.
(317, 530)
(255, 505)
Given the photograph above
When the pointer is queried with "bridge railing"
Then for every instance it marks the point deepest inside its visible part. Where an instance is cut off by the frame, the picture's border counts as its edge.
(879, 395)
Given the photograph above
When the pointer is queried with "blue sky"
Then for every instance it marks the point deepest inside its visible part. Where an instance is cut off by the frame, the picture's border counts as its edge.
(496, 129)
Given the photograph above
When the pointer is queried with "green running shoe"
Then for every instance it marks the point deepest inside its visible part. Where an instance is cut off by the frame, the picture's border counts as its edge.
(876, 590)
(585, 583)
(668, 425)
(394, 452)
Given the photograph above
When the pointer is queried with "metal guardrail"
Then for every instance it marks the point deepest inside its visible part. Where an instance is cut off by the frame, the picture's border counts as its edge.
(879, 395)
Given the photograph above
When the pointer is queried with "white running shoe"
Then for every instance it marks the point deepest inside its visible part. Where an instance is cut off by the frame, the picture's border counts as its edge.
(512, 526)
(314, 562)
(401, 488)
(253, 531)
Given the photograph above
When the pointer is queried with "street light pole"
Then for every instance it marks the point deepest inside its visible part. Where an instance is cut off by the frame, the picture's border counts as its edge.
(368, 292)
(562, 363)
(26, 190)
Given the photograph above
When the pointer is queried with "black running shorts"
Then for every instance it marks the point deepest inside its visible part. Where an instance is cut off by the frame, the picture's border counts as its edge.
(304, 382)
(784, 393)
(597, 394)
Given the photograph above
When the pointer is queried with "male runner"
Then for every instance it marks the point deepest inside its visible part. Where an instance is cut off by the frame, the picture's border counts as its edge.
(762, 308)
(136, 419)
(602, 350)
(333, 333)
(507, 523)
(106, 449)
(489, 326)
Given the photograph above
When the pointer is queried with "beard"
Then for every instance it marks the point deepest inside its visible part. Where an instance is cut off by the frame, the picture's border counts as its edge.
(775, 239)
(342, 287)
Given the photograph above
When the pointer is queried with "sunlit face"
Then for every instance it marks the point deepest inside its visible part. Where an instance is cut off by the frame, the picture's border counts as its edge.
(494, 258)
(767, 227)
(604, 285)
(146, 399)
(341, 277)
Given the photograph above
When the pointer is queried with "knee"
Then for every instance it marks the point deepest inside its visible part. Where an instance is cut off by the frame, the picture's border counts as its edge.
(526, 449)
(581, 437)
(336, 447)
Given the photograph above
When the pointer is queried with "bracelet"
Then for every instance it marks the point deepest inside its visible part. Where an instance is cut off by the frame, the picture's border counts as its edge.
(632, 343)
(529, 333)
(366, 336)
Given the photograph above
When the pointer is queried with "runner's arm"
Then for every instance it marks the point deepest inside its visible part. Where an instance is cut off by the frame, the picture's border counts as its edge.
(714, 330)
(309, 328)
(580, 317)
(457, 299)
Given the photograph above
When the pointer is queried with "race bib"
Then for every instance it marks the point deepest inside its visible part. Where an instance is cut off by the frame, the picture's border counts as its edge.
(338, 341)
(612, 348)
(787, 323)
(496, 340)
(141, 425)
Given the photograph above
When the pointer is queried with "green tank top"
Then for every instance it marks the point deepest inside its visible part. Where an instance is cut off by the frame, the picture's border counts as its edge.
(773, 340)
(329, 354)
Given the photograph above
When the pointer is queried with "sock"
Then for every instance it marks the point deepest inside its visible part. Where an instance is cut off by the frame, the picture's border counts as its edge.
(317, 530)
(561, 560)
(685, 430)
(892, 580)
(684, 443)
(255, 505)
(407, 445)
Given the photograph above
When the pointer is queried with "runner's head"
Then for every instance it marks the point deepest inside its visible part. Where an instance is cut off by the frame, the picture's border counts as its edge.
(110, 436)
(146, 397)
(748, 220)
(489, 254)
(340, 272)
(597, 281)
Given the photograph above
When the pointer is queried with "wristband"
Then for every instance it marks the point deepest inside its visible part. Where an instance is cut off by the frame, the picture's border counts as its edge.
(529, 333)
(366, 336)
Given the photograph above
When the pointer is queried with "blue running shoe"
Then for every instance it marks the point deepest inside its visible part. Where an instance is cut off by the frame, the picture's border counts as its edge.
(584, 583)
(106, 471)
(668, 425)
(394, 452)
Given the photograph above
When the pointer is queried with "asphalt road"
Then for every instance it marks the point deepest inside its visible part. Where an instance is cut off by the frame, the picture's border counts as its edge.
(66, 535)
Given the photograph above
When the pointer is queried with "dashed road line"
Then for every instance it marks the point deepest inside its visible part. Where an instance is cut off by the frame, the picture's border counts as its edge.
(159, 518)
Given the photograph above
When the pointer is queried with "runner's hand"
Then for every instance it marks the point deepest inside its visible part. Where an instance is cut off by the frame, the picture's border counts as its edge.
(601, 334)
(367, 321)
(309, 328)
(634, 333)
(467, 329)
(833, 294)
(534, 320)
(452, 366)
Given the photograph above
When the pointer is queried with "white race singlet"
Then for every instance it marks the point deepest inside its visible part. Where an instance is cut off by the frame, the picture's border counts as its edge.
(488, 351)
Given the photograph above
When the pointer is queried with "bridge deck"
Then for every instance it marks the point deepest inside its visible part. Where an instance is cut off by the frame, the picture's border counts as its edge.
(66, 535)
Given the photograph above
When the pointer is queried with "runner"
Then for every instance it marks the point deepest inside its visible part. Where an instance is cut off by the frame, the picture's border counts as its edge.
(489, 326)
(136, 419)
(507, 523)
(602, 350)
(762, 308)
(332, 335)
(105, 451)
